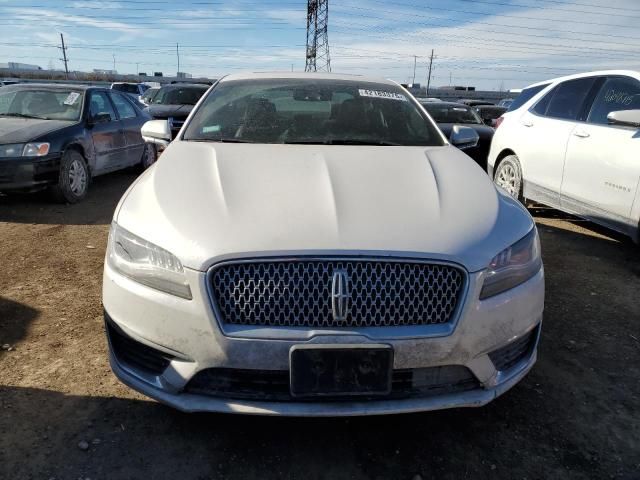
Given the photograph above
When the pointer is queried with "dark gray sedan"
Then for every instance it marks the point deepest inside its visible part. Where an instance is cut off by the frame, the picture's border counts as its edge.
(60, 136)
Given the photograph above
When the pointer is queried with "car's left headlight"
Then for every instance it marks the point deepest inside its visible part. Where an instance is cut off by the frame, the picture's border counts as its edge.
(513, 266)
(146, 263)
(24, 149)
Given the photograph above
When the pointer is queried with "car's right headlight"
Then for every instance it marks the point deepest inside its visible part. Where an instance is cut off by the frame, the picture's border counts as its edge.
(39, 149)
(146, 263)
(513, 266)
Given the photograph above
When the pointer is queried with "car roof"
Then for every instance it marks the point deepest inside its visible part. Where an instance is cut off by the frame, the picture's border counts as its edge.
(52, 86)
(632, 73)
(445, 104)
(305, 76)
(202, 86)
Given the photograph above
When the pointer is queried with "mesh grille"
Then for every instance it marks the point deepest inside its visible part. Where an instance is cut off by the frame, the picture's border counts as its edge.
(299, 293)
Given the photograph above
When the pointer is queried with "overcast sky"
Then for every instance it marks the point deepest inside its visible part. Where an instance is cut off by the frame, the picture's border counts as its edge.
(490, 44)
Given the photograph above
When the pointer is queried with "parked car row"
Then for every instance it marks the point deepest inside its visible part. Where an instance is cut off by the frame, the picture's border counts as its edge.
(448, 115)
(58, 136)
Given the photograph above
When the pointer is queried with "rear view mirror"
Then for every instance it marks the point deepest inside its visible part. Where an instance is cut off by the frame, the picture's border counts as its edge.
(311, 94)
(463, 137)
(157, 132)
(626, 118)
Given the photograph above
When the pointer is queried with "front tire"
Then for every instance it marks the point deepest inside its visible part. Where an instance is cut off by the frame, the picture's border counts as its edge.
(149, 156)
(509, 176)
(73, 179)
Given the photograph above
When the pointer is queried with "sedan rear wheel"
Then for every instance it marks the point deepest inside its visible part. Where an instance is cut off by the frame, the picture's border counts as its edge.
(509, 176)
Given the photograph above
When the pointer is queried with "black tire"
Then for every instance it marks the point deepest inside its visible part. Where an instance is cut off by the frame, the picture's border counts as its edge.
(149, 156)
(73, 179)
(508, 175)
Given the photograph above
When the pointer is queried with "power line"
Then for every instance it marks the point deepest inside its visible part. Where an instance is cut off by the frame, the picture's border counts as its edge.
(526, 46)
(430, 17)
(491, 14)
(532, 7)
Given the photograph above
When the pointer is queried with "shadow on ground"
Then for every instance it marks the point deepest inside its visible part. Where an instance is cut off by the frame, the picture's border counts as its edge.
(104, 193)
(15, 319)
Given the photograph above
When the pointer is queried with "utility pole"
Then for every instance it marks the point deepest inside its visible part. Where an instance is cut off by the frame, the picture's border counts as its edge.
(178, 55)
(429, 77)
(449, 78)
(414, 69)
(64, 57)
(317, 55)
(114, 61)
(137, 69)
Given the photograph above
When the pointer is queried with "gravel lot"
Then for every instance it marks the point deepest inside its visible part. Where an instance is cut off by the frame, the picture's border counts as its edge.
(577, 414)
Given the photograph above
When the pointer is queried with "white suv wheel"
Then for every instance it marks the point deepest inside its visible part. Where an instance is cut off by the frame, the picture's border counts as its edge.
(509, 177)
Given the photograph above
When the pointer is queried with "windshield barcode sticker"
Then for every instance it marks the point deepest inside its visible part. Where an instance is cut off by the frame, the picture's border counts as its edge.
(72, 98)
(379, 94)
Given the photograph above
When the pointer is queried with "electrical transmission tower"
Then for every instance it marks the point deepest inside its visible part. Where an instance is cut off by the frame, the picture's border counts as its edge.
(317, 37)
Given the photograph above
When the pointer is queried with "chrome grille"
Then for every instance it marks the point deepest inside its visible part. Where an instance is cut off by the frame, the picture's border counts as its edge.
(298, 293)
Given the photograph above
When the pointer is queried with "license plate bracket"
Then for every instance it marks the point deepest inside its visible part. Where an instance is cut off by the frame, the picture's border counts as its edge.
(340, 370)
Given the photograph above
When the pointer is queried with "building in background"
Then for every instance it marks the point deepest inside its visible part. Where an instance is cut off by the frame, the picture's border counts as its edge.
(19, 66)
(100, 71)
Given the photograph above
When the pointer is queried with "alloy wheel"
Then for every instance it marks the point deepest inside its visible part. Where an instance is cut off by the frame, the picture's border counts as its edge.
(77, 177)
(509, 179)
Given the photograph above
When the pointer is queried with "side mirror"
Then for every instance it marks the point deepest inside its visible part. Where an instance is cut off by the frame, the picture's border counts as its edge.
(157, 131)
(100, 118)
(625, 118)
(463, 137)
(488, 121)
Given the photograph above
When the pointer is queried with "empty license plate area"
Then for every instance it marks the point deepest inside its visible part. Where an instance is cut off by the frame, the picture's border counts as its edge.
(333, 371)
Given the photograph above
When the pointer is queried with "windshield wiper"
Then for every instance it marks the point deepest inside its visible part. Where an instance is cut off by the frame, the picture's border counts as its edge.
(22, 115)
(228, 140)
(351, 141)
(305, 142)
(341, 142)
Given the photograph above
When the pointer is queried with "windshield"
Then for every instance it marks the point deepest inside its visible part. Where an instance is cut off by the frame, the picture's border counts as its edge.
(526, 95)
(41, 103)
(443, 113)
(491, 113)
(311, 112)
(178, 96)
(150, 94)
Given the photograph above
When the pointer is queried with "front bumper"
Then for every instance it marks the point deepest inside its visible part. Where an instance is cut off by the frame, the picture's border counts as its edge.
(25, 173)
(188, 332)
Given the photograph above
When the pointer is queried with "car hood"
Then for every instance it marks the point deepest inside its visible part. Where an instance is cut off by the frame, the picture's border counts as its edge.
(484, 131)
(21, 130)
(206, 202)
(165, 111)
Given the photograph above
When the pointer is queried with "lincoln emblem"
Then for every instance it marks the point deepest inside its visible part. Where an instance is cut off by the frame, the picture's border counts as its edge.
(340, 295)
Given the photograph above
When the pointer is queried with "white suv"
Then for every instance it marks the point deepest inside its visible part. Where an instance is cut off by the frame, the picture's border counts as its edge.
(573, 143)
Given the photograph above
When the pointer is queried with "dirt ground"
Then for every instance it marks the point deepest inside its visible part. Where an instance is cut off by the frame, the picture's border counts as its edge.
(576, 415)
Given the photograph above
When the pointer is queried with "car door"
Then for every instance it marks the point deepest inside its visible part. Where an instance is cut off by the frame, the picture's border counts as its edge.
(131, 122)
(602, 166)
(107, 135)
(544, 132)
